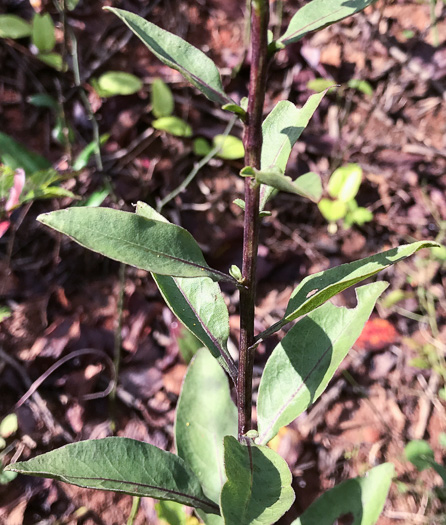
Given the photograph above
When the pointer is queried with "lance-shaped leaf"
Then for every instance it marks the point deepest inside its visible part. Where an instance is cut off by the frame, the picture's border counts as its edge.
(280, 131)
(205, 415)
(302, 364)
(318, 14)
(129, 238)
(308, 185)
(363, 498)
(315, 289)
(258, 490)
(199, 305)
(193, 64)
(121, 465)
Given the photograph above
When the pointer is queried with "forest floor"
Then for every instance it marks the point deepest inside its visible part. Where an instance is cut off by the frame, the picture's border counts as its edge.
(63, 299)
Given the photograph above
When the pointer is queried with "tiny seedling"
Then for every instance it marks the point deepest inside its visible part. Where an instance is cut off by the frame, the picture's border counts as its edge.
(113, 83)
(227, 147)
(343, 187)
(40, 31)
(223, 467)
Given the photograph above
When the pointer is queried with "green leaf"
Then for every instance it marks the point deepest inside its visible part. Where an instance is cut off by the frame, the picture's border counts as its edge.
(178, 54)
(308, 185)
(205, 415)
(318, 14)
(9, 426)
(332, 210)
(43, 35)
(344, 182)
(114, 83)
(280, 130)
(302, 364)
(360, 85)
(82, 159)
(198, 304)
(121, 465)
(258, 490)
(201, 147)
(71, 4)
(364, 498)
(15, 155)
(54, 60)
(420, 454)
(358, 216)
(47, 193)
(188, 344)
(171, 512)
(129, 238)
(162, 99)
(97, 197)
(173, 125)
(43, 100)
(12, 26)
(5, 312)
(231, 147)
(315, 289)
(6, 477)
(320, 84)
(236, 109)
(439, 253)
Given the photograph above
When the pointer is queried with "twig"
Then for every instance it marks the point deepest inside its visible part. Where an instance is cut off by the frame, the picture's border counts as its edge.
(426, 403)
(72, 355)
(214, 151)
(117, 343)
(46, 415)
(136, 500)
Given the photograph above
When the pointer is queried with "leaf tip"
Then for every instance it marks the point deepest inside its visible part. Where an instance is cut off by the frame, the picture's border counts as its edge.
(43, 218)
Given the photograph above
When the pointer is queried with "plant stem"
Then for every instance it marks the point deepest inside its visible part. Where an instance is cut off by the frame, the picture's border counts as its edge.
(252, 141)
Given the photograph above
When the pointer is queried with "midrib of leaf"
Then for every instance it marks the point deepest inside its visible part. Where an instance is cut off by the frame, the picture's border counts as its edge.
(223, 352)
(136, 484)
(304, 380)
(187, 72)
(282, 146)
(292, 35)
(340, 286)
(157, 253)
(304, 305)
(144, 37)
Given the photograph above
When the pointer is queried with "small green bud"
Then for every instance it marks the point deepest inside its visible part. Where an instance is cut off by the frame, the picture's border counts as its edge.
(235, 272)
